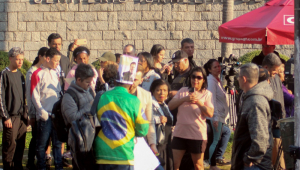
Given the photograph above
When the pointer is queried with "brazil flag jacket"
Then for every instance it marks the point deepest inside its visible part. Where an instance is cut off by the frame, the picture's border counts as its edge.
(122, 118)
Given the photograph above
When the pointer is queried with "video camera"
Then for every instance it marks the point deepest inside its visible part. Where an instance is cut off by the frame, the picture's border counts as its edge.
(229, 69)
(289, 74)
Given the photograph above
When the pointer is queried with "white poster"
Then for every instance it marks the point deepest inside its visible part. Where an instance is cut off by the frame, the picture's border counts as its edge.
(127, 69)
(144, 158)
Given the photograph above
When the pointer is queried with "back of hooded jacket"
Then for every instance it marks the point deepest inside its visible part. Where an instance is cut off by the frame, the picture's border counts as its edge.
(253, 138)
(69, 107)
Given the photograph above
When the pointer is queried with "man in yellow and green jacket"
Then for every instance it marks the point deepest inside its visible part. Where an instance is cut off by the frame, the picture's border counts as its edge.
(122, 118)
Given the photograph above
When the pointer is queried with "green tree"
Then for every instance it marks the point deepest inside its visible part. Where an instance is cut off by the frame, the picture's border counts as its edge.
(96, 64)
(247, 58)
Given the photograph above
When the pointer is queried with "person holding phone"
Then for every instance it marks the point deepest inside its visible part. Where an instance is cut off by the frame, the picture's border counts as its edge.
(72, 47)
(158, 53)
(146, 60)
(193, 108)
(221, 110)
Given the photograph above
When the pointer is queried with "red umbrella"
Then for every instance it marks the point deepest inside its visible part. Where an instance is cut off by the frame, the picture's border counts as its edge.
(274, 20)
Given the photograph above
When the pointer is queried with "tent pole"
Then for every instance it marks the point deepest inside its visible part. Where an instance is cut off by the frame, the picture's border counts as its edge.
(227, 16)
(297, 76)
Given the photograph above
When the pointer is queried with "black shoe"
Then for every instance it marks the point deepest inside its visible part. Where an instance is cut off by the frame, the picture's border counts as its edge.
(222, 162)
(31, 167)
(66, 163)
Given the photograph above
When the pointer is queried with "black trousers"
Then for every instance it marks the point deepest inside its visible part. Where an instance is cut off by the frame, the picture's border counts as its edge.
(32, 146)
(13, 144)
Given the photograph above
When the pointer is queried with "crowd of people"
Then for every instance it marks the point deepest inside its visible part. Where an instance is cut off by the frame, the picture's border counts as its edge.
(180, 109)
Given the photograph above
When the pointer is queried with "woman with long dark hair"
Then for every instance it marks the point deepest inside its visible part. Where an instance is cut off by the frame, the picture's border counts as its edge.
(146, 60)
(158, 54)
(194, 105)
(221, 110)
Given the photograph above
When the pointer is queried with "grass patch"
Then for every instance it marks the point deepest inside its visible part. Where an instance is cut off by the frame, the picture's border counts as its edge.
(228, 151)
(227, 154)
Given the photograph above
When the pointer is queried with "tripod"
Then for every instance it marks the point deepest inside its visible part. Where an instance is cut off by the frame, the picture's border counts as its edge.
(231, 95)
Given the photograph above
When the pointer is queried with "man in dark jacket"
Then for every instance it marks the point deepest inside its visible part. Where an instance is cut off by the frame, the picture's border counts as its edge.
(266, 49)
(272, 63)
(13, 112)
(252, 143)
(187, 45)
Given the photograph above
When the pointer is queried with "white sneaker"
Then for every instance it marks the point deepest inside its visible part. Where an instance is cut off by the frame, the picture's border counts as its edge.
(67, 155)
(206, 164)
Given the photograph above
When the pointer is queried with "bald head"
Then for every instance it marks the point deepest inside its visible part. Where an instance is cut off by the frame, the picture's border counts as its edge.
(129, 49)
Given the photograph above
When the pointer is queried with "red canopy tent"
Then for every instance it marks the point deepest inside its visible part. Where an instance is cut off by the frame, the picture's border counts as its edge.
(275, 20)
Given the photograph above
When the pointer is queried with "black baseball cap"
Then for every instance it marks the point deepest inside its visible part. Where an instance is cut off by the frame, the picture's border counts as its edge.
(178, 55)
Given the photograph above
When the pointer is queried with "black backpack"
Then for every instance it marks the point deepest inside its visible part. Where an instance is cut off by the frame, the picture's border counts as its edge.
(81, 137)
(62, 130)
(276, 112)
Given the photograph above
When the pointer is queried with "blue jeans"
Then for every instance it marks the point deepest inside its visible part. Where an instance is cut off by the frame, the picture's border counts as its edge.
(216, 136)
(159, 168)
(114, 167)
(253, 167)
(44, 131)
(225, 136)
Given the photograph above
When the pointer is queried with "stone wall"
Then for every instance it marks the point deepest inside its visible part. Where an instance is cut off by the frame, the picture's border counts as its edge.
(108, 26)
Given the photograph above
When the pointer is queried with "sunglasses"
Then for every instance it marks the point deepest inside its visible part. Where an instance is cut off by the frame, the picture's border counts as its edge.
(197, 77)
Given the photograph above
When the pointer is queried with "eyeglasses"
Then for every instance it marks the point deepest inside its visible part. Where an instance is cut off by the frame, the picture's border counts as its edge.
(197, 77)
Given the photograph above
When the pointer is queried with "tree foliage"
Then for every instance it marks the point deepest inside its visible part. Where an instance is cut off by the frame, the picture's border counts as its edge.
(247, 58)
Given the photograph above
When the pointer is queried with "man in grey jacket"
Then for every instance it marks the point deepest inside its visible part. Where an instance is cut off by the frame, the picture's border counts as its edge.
(81, 88)
(252, 143)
